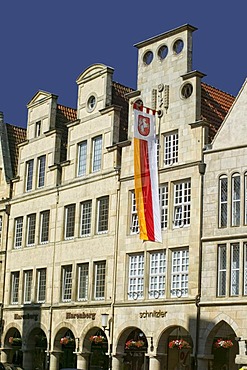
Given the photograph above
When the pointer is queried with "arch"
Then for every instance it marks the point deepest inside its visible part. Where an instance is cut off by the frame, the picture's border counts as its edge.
(93, 71)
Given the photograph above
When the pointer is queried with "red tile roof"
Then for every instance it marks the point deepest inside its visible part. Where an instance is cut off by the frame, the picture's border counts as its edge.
(214, 106)
(16, 135)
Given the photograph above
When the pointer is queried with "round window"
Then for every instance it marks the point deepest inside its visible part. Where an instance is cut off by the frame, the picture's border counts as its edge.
(178, 46)
(148, 57)
(187, 90)
(162, 52)
(91, 103)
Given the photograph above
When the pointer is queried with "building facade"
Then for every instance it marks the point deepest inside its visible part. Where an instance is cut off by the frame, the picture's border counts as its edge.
(73, 252)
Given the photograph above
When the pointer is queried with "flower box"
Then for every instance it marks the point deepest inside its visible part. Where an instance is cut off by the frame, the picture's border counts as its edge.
(134, 344)
(223, 343)
(15, 341)
(97, 338)
(179, 344)
(66, 340)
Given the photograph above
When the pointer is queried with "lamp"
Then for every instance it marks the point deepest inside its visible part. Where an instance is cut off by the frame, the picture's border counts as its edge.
(104, 321)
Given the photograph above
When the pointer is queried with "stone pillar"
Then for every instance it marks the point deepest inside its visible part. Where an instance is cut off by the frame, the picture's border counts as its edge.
(204, 362)
(27, 360)
(117, 361)
(5, 355)
(154, 363)
(82, 361)
(54, 360)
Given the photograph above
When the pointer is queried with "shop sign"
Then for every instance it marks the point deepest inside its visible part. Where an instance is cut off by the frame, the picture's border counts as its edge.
(148, 314)
(26, 316)
(81, 315)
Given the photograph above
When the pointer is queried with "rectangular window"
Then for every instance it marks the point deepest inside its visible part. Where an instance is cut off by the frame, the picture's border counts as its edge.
(15, 278)
(221, 291)
(235, 260)
(236, 200)
(82, 158)
(38, 129)
(245, 269)
(163, 197)
(1, 228)
(136, 276)
(223, 189)
(18, 232)
(44, 226)
(31, 224)
(29, 175)
(99, 283)
(69, 221)
(179, 274)
(67, 283)
(83, 270)
(134, 228)
(28, 275)
(102, 214)
(41, 285)
(86, 214)
(97, 154)
(182, 198)
(171, 148)
(157, 275)
(41, 171)
(245, 198)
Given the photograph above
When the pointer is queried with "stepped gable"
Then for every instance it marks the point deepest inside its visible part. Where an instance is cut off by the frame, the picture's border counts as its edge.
(119, 98)
(214, 106)
(16, 135)
(63, 116)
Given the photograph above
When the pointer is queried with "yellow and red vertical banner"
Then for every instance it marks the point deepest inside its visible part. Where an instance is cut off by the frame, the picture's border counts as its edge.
(146, 174)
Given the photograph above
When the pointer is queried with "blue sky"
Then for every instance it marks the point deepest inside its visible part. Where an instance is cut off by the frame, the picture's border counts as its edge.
(46, 45)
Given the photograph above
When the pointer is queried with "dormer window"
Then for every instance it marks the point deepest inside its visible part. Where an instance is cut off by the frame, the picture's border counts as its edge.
(91, 103)
(38, 129)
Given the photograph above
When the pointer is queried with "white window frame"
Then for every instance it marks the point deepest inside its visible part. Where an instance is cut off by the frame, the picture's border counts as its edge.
(44, 227)
(102, 215)
(67, 283)
(235, 269)
(41, 171)
(82, 158)
(86, 218)
(134, 228)
(222, 270)
(182, 203)
(157, 274)
(136, 277)
(83, 281)
(180, 272)
(15, 282)
(96, 153)
(245, 269)
(69, 229)
(170, 148)
(18, 232)
(223, 200)
(41, 285)
(29, 174)
(163, 199)
(236, 191)
(27, 291)
(99, 280)
(31, 228)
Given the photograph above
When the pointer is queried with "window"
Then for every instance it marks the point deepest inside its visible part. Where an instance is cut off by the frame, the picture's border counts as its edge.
(134, 228)
(67, 283)
(31, 223)
(41, 171)
(82, 294)
(102, 215)
(18, 232)
(182, 204)
(82, 158)
(236, 200)
(171, 148)
(44, 226)
(69, 221)
(245, 269)
(136, 276)
(221, 291)
(86, 214)
(15, 278)
(99, 283)
(157, 275)
(28, 275)
(235, 259)
(38, 129)
(29, 176)
(97, 154)
(41, 285)
(163, 197)
(1, 228)
(223, 201)
(179, 274)
(245, 198)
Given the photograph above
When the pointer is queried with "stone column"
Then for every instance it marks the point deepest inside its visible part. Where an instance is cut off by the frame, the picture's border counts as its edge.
(54, 360)
(117, 362)
(204, 362)
(154, 363)
(27, 360)
(5, 355)
(82, 360)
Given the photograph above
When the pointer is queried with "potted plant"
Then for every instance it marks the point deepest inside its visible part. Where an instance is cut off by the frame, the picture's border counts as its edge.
(179, 344)
(96, 338)
(134, 344)
(223, 343)
(66, 340)
(15, 341)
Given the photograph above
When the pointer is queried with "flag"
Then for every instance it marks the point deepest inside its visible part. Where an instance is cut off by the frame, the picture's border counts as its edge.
(146, 174)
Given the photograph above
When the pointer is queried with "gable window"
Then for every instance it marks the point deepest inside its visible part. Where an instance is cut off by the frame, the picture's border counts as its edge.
(136, 276)
(99, 282)
(86, 214)
(41, 285)
(44, 226)
(236, 200)
(83, 274)
(82, 158)
(182, 198)
(31, 223)
(29, 175)
(15, 278)
(41, 171)
(38, 129)
(97, 154)
(222, 260)
(18, 232)
(235, 260)
(67, 283)
(28, 275)
(179, 273)
(69, 221)
(157, 275)
(102, 214)
(223, 189)
(171, 148)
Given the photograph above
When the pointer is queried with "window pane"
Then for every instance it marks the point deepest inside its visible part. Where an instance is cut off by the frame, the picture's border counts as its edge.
(1, 228)
(27, 286)
(29, 179)
(245, 269)
(44, 226)
(171, 148)
(103, 209)
(136, 276)
(179, 275)
(69, 221)
(99, 292)
(182, 194)
(235, 269)
(31, 223)
(15, 278)
(86, 213)
(223, 202)
(134, 228)
(97, 153)
(83, 281)
(18, 232)
(41, 175)
(163, 197)
(41, 287)
(157, 275)
(221, 270)
(82, 158)
(67, 283)
(236, 200)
